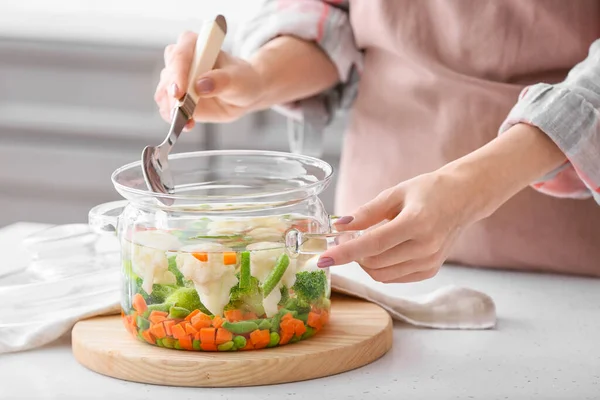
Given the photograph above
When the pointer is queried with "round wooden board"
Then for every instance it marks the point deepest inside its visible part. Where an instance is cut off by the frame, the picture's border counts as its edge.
(358, 334)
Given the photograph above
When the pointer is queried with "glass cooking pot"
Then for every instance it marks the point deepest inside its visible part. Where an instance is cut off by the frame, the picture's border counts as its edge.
(231, 263)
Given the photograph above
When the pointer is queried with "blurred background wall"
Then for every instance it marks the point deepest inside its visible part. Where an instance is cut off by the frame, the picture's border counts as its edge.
(77, 79)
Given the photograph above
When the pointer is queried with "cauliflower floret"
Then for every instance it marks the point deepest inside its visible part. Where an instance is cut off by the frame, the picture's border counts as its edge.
(149, 258)
(310, 264)
(266, 234)
(266, 226)
(263, 259)
(212, 279)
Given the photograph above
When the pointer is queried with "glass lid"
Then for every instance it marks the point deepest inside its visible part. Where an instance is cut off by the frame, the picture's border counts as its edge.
(230, 179)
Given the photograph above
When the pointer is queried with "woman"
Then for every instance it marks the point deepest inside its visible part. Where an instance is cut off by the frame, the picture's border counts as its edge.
(429, 83)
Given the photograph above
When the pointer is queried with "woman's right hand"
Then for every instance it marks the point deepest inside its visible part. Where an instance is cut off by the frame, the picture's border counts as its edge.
(226, 93)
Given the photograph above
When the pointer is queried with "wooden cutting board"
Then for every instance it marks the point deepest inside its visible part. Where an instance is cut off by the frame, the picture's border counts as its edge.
(358, 334)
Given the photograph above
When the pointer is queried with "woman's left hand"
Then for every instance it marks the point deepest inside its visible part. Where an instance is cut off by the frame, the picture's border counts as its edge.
(422, 218)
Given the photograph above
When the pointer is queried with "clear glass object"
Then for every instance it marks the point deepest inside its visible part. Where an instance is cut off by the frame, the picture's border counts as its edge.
(231, 263)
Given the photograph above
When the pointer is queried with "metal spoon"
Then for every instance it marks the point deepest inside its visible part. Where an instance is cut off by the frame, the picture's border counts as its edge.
(155, 165)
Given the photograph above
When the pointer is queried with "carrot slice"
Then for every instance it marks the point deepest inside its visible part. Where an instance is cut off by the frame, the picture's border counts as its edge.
(178, 331)
(200, 321)
(314, 320)
(248, 346)
(287, 316)
(285, 338)
(223, 336)
(201, 256)
(192, 315)
(139, 304)
(208, 346)
(190, 330)
(207, 335)
(288, 326)
(229, 258)
(158, 331)
(168, 325)
(148, 337)
(217, 321)
(260, 338)
(299, 327)
(186, 342)
(234, 315)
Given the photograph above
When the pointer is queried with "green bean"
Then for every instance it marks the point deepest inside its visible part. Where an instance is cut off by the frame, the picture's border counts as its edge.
(178, 312)
(276, 274)
(264, 324)
(274, 341)
(245, 270)
(159, 343)
(239, 342)
(310, 332)
(294, 339)
(168, 342)
(142, 323)
(303, 317)
(225, 346)
(177, 345)
(196, 344)
(240, 328)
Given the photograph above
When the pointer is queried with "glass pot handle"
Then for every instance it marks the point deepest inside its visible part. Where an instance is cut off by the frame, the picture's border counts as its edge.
(299, 243)
(104, 217)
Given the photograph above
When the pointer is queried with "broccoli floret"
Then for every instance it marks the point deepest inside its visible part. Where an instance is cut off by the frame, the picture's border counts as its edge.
(310, 286)
(186, 298)
(285, 295)
(159, 292)
(249, 299)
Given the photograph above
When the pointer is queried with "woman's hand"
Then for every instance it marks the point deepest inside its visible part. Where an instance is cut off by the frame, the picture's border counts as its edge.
(424, 215)
(226, 93)
(421, 219)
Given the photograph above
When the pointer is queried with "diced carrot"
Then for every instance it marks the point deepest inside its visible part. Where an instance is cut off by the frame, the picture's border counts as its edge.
(285, 338)
(288, 326)
(299, 327)
(248, 346)
(197, 336)
(158, 330)
(223, 336)
(186, 342)
(157, 317)
(208, 346)
(192, 314)
(207, 335)
(234, 315)
(260, 338)
(324, 317)
(157, 312)
(190, 330)
(169, 323)
(229, 258)
(287, 316)
(217, 321)
(139, 304)
(201, 256)
(200, 321)
(314, 320)
(148, 337)
(178, 331)
(250, 315)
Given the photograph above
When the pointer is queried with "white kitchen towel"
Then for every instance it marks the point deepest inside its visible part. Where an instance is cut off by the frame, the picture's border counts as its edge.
(35, 314)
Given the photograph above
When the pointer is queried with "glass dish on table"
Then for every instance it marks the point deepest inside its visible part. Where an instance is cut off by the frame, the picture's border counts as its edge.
(231, 263)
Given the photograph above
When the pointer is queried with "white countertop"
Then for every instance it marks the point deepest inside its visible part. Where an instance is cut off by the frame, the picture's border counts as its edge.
(546, 346)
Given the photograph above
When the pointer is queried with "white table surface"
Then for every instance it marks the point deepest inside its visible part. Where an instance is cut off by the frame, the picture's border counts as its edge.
(546, 345)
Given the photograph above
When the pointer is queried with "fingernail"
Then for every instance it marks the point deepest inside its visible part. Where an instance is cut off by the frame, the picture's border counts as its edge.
(205, 85)
(325, 262)
(173, 90)
(344, 220)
